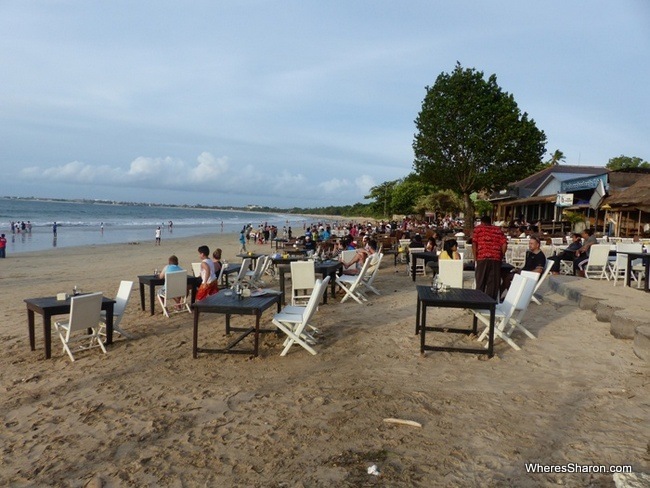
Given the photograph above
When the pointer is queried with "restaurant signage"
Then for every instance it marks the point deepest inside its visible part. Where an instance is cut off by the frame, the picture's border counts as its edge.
(564, 200)
(585, 183)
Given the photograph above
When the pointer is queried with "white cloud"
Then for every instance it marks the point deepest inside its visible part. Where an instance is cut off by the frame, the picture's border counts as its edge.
(334, 185)
(364, 183)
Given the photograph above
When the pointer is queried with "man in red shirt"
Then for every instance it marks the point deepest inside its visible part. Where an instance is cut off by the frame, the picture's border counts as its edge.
(489, 244)
(3, 246)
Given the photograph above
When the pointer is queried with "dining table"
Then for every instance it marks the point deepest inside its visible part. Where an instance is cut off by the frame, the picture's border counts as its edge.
(228, 303)
(463, 298)
(48, 307)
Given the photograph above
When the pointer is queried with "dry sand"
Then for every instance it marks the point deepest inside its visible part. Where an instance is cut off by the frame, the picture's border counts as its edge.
(147, 414)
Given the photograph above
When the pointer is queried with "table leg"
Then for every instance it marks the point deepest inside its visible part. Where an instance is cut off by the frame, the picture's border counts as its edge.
(417, 316)
(423, 328)
(282, 286)
(257, 333)
(30, 327)
(195, 335)
(152, 297)
(109, 323)
(227, 323)
(142, 296)
(333, 284)
(647, 275)
(413, 264)
(47, 332)
(491, 334)
(628, 273)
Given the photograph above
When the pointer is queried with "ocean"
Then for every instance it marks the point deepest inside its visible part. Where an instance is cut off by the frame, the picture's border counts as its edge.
(80, 224)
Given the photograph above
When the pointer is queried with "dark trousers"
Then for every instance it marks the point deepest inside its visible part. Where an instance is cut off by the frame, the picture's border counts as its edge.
(488, 276)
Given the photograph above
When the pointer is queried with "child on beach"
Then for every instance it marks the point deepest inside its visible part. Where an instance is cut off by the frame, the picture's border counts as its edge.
(242, 242)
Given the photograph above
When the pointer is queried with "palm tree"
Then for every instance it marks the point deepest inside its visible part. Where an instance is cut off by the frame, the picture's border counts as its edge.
(556, 158)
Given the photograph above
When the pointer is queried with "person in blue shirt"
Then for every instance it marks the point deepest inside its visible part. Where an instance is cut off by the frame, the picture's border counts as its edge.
(242, 242)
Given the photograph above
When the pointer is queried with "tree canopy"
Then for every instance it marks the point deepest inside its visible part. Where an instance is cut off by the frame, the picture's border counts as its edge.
(625, 162)
(471, 136)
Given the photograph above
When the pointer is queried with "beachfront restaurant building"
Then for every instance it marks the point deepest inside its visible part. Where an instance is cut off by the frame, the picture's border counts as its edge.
(545, 195)
(627, 208)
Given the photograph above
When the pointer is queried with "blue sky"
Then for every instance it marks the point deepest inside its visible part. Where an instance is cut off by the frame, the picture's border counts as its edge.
(293, 103)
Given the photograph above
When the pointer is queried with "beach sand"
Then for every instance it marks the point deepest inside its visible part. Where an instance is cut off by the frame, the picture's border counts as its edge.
(147, 414)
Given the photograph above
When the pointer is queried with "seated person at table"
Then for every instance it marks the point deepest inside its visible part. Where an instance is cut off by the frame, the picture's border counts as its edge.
(450, 250)
(416, 241)
(359, 258)
(309, 243)
(209, 285)
(535, 261)
(430, 245)
(216, 260)
(568, 254)
(171, 267)
(582, 254)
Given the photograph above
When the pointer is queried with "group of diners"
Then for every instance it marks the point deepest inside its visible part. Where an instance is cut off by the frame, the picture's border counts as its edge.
(210, 269)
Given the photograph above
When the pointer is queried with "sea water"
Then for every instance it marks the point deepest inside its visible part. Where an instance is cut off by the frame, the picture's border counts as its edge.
(83, 224)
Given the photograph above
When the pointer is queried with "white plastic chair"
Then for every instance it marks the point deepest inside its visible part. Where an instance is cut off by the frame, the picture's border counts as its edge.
(222, 272)
(84, 319)
(175, 287)
(516, 302)
(517, 255)
(352, 284)
(597, 266)
(420, 268)
(253, 278)
(538, 279)
(241, 276)
(371, 273)
(293, 324)
(303, 281)
(618, 267)
(121, 301)
(450, 272)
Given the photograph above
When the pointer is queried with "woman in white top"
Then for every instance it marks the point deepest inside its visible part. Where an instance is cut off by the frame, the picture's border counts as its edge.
(209, 285)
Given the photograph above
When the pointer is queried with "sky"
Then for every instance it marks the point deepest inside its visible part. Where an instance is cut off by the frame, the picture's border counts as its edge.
(303, 103)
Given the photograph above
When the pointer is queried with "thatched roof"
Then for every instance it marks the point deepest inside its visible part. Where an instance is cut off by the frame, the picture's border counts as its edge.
(635, 196)
(619, 180)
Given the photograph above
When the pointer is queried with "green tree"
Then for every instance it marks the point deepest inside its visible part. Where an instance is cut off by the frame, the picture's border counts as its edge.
(405, 194)
(625, 162)
(471, 136)
(444, 202)
(382, 195)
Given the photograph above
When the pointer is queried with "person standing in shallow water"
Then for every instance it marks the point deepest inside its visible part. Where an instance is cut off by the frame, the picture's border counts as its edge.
(158, 234)
(3, 246)
(54, 229)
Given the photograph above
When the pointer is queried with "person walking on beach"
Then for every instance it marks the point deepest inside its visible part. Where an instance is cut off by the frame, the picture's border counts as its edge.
(489, 244)
(3, 246)
(158, 234)
(242, 242)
